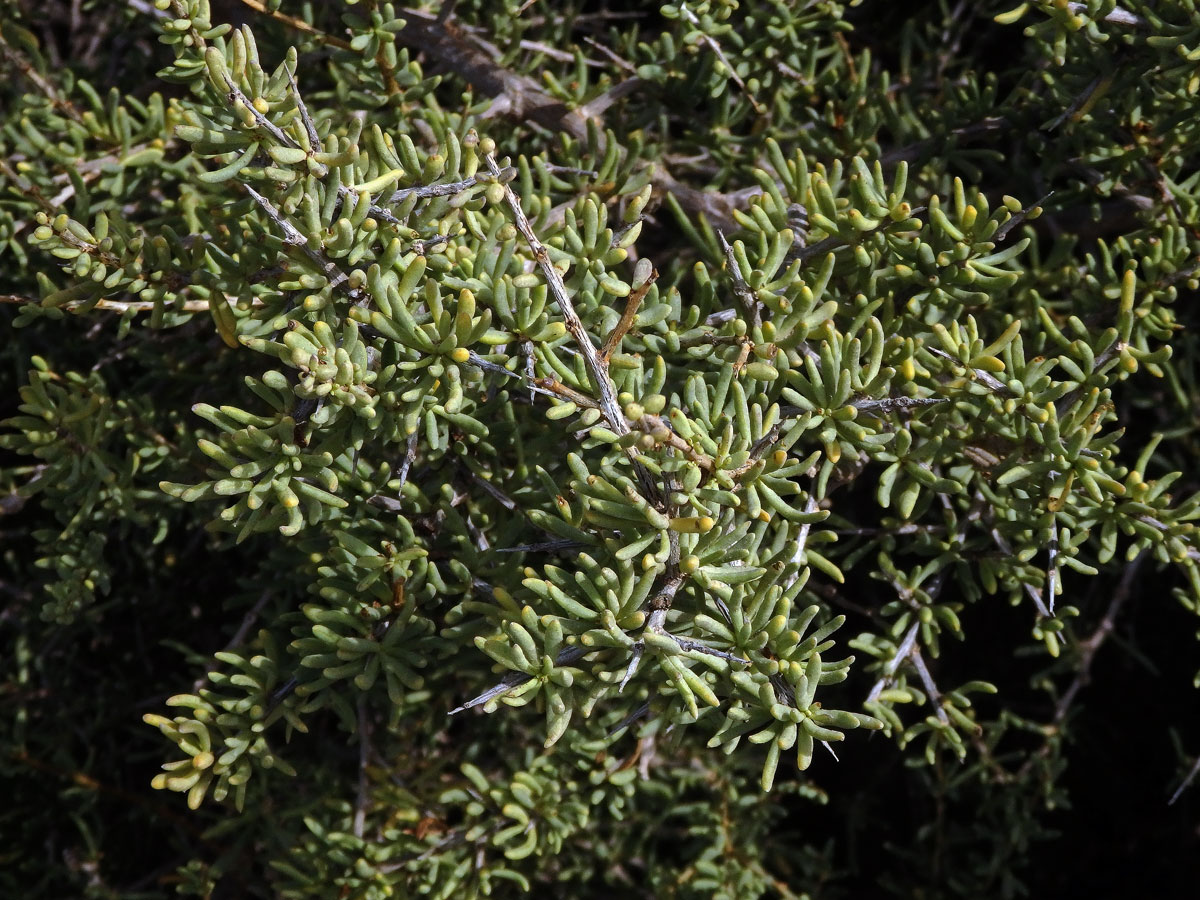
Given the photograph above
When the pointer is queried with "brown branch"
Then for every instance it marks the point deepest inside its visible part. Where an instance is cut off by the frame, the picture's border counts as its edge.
(558, 389)
(298, 24)
(627, 317)
(662, 432)
(47, 88)
(520, 97)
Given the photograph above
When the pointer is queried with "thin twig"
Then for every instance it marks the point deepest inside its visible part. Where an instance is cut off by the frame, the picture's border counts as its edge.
(1186, 783)
(902, 653)
(660, 429)
(712, 45)
(1018, 217)
(513, 680)
(743, 291)
(425, 192)
(597, 371)
(697, 647)
(1052, 565)
(627, 317)
(836, 242)
(551, 387)
(595, 365)
(935, 696)
(1089, 647)
(410, 455)
(810, 506)
(364, 753)
(310, 127)
(239, 636)
(298, 24)
(1034, 594)
(337, 278)
(987, 379)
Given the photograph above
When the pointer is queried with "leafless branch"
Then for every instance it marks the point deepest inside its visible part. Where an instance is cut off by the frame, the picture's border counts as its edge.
(1089, 647)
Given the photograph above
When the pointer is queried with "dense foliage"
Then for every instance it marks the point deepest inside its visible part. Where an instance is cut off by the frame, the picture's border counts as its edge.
(509, 447)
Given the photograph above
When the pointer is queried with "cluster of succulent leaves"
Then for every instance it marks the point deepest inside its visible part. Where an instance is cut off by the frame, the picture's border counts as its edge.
(558, 382)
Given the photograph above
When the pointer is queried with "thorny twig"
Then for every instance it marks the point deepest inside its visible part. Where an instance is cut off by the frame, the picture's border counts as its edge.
(513, 680)
(337, 278)
(597, 367)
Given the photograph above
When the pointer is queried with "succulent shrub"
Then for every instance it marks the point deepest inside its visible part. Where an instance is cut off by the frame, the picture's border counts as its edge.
(581, 426)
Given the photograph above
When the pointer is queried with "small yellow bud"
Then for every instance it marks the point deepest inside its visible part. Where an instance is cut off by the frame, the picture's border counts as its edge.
(692, 524)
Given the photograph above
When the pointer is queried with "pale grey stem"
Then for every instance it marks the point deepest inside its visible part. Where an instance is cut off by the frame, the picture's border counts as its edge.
(935, 696)
(514, 680)
(1116, 15)
(1052, 566)
(892, 404)
(364, 750)
(1034, 594)
(638, 649)
(293, 236)
(261, 121)
(689, 644)
(310, 127)
(596, 368)
(988, 380)
(740, 287)
(486, 365)
(902, 653)
(810, 507)
(1191, 776)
